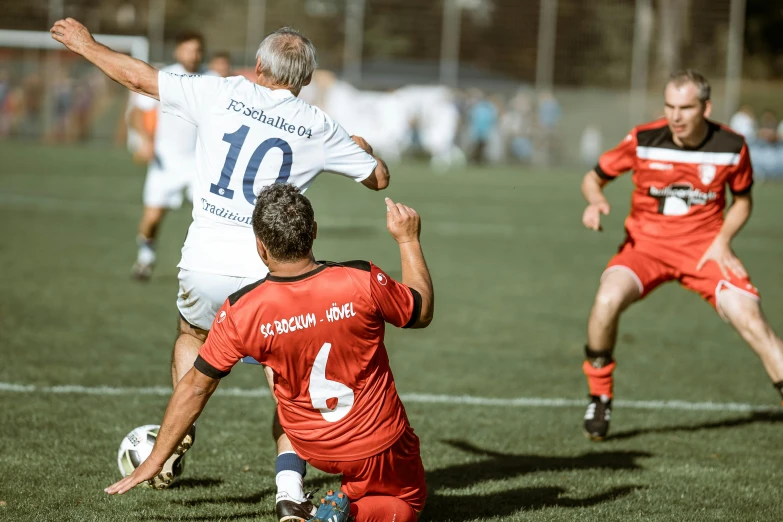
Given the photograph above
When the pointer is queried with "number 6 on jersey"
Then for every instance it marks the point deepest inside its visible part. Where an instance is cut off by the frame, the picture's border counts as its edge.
(322, 389)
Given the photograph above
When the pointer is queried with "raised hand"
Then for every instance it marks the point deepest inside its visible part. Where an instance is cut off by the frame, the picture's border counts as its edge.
(403, 222)
(72, 34)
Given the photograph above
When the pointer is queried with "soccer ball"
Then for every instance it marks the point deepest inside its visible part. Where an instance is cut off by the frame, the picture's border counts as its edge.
(136, 447)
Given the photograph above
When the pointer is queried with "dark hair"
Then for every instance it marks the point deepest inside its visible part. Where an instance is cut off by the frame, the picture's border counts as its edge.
(186, 36)
(284, 222)
(693, 76)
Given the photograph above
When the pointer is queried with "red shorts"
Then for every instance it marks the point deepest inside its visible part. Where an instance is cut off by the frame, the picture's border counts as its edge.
(395, 472)
(651, 264)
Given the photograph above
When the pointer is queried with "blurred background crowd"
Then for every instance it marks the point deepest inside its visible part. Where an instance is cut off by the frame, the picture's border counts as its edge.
(483, 81)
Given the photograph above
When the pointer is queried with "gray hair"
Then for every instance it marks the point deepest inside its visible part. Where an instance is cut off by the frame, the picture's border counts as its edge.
(693, 76)
(287, 58)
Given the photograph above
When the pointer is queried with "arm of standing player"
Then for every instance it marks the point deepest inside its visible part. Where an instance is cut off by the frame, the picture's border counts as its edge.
(188, 400)
(379, 179)
(404, 225)
(134, 74)
(720, 249)
(593, 191)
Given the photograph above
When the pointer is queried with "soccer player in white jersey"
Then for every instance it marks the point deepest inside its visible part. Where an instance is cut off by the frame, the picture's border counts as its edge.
(249, 135)
(169, 149)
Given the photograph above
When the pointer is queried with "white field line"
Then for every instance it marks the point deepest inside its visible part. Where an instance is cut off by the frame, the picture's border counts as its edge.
(421, 398)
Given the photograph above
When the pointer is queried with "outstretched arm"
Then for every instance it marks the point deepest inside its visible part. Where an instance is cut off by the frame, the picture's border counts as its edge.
(404, 225)
(188, 400)
(129, 72)
(379, 179)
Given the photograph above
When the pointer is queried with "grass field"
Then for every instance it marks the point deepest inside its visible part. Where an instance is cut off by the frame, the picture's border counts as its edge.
(514, 275)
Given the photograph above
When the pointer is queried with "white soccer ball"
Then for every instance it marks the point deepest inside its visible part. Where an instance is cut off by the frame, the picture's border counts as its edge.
(136, 447)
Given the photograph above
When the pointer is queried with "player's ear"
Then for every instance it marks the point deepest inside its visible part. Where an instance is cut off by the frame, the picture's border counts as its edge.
(315, 230)
(258, 66)
(308, 80)
(707, 108)
(262, 251)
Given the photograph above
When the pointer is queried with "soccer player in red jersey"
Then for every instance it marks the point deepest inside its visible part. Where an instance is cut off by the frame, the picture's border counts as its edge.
(320, 327)
(676, 231)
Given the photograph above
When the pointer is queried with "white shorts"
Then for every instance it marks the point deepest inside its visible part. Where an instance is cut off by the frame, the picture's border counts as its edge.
(201, 295)
(168, 183)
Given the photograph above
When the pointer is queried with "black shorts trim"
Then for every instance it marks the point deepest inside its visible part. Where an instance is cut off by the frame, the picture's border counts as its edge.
(209, 370)
(191, 324)
(416, 315)
(601, 174)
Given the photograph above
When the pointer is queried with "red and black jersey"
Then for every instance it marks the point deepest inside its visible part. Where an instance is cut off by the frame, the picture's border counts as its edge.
(680, 193)
(322, 334)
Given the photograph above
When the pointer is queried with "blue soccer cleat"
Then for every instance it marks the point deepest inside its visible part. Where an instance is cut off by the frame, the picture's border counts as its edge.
(335, 507)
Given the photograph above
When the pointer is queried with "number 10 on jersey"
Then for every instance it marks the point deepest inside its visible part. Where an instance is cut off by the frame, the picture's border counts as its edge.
(236, 140)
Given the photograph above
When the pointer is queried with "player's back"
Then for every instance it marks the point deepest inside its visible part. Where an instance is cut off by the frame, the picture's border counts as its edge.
(322, 334)
(249, 137)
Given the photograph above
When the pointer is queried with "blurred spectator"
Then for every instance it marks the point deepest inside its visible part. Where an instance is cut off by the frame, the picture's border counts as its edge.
(744, 122)
(220, 64)
(482, 121)
(590, 145)
(768, 127)
(516, 126)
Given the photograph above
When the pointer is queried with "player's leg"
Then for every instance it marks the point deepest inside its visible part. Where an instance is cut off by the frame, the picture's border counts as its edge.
(743, 311)
(382, 508)
(291, 502)
(162, 191)
(629, 276)
(738, 302)
(189, 339)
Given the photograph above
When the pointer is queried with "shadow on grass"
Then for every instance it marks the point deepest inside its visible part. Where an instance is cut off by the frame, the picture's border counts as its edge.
(461, 508)
(754, 418)
(187, 483)
(265, 494)
(501, 466)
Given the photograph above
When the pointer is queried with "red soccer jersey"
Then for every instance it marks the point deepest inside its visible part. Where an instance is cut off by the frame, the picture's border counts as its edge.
(322, 334)
(680, 194)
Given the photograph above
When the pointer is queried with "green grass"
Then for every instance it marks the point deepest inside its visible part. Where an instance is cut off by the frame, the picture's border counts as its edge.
(514, 273)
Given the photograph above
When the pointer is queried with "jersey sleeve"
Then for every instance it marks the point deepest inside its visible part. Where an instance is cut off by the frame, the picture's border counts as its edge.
(741, 179)
(620, 159)
(224, 346)
(343, 156)
(397, 303)
(187, 95)
(143, 103)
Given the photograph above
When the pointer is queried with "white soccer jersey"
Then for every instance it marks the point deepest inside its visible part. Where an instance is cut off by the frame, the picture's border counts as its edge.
(249, 137)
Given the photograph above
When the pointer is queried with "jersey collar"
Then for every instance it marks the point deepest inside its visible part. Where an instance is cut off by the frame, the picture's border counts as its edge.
(278, 279)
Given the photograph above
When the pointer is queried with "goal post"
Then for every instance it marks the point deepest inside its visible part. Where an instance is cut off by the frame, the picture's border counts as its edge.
(136, 46)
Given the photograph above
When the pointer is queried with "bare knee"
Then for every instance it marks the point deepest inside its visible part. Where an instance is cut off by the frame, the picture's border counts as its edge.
(744, 314)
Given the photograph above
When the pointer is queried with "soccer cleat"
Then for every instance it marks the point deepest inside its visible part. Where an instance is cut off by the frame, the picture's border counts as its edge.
(597, 417)
(172, 468)
(142, 271)
(335, 507)
(290, 510)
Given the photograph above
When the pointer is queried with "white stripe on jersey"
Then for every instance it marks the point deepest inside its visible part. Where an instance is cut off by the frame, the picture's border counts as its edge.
(687, 156)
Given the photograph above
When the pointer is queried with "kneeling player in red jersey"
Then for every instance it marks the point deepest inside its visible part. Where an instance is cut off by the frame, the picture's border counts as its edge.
(676, 231)
(320, 327)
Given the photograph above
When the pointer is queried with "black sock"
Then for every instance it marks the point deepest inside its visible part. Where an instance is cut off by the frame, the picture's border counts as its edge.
(598, 358)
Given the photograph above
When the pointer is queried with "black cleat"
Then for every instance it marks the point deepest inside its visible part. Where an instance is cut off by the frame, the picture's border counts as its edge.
(597, 417)
(290, 510)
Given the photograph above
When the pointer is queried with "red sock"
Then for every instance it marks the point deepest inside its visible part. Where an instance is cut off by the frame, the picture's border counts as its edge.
(599, 380)
(382, 508)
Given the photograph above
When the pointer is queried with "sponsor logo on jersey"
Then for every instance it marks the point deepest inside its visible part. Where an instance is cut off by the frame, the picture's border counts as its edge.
(678, 198)
(655, 165)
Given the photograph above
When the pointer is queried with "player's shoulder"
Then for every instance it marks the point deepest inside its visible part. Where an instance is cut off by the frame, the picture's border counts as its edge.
(353, 265)
(723, 139)
(652, 131)
(244, 292)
